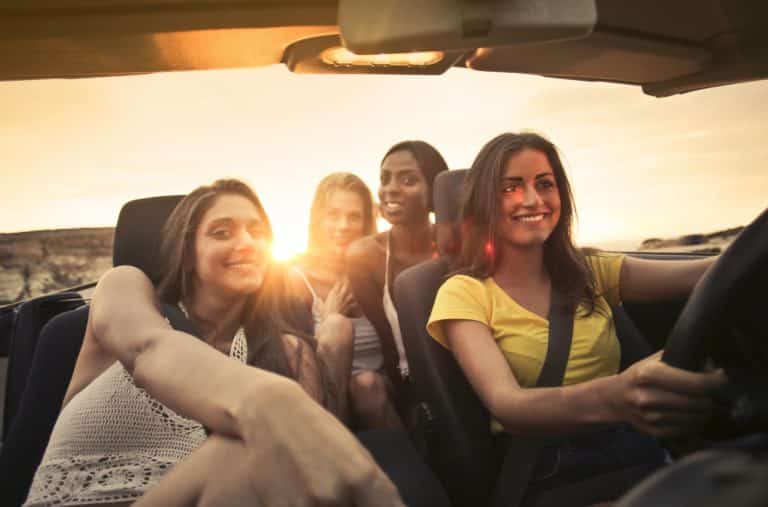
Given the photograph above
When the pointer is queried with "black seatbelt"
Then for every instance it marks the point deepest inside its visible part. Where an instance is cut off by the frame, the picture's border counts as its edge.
(523, 452)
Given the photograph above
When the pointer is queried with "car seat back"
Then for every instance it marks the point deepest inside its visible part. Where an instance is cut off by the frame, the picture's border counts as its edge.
(459, 447)
(139, 230)
(29, 319)
(47, 362)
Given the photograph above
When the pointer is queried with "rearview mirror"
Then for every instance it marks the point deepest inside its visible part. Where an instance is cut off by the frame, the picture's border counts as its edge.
(393, 26)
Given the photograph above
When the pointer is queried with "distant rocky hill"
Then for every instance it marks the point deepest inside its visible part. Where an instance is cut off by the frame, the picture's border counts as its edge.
(38, 262)
(714, 242)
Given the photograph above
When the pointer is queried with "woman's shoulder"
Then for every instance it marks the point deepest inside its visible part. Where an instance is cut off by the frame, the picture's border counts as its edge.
(597, 255)
(606, 268)
(295, 279)
(461, 283)
(600, 261)
(368, 249)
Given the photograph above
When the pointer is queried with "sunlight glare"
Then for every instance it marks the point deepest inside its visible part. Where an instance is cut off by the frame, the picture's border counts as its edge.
(286, 248)
(599, 230)
(382, 225)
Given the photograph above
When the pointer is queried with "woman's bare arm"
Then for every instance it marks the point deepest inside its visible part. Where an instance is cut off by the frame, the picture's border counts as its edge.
(126, 321)
(650, 395)
(364, 260)
(650, 280)
(335, 340)
(270, 414)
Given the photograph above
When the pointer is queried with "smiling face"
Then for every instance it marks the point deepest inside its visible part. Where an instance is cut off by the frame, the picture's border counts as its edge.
(342, 221)
(403, 190)
(530, 201)
(231, 248)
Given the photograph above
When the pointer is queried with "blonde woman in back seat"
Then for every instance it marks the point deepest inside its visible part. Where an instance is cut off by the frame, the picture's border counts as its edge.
(143, 397)
(341, 213)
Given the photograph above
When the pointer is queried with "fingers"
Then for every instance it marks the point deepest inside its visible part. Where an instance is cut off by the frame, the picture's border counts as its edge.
(663, 413)
(378, 491)
(661, 375)
(304, 472)
(658, 399)
(341, 296)
(665, 401)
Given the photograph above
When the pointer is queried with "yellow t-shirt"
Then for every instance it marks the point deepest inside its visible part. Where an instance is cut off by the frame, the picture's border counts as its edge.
(523, 335)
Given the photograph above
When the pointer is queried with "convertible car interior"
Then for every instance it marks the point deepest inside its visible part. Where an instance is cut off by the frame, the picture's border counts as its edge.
(663, 47)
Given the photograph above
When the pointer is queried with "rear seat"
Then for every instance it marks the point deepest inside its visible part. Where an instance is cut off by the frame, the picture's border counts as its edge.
(28, 321)
(43, 353)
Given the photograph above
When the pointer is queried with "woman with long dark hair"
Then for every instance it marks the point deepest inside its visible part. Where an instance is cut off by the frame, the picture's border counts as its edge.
(405, 198)
(494, 313)
(144, 398)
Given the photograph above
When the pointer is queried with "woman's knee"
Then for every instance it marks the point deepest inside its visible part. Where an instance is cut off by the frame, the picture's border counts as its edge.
(368, 390)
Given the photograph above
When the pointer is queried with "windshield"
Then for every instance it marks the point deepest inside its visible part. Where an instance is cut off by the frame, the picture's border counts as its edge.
(73, 151)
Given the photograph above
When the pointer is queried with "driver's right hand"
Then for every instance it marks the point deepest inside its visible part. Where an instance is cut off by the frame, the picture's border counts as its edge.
(665, 401)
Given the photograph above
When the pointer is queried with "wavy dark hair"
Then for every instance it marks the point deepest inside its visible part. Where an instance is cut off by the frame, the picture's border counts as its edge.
(566, 264)
(269, 313)
(430, 161)
(339, 181)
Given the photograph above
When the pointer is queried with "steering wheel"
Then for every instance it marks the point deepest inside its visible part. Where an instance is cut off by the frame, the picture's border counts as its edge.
(725, 323)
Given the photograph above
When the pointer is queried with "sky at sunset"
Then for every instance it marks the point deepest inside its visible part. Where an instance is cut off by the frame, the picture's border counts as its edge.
(73, 151)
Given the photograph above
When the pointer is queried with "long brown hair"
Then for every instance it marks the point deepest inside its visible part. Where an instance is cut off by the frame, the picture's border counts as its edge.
(269, 313)
(566, 265)
(339, 181)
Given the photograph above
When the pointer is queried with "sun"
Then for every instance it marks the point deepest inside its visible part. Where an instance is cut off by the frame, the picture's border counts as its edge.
(286, 247)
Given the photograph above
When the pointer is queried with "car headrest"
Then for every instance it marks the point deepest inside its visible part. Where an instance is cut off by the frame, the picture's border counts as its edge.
(447, 197)
(138, 230)
(446, 192)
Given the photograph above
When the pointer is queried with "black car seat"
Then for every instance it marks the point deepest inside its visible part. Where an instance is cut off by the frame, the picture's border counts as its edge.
(46, 362)
(28, 321)
(460, 447)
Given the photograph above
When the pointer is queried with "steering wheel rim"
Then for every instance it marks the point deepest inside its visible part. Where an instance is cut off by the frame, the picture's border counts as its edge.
(704, 316)
(721, 322)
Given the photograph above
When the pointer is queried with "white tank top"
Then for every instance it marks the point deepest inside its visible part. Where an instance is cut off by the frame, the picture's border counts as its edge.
(366, 351)
(391, 313)
(113, 442)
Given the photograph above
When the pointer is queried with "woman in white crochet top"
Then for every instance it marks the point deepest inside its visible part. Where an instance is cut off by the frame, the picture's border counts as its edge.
(142, 394)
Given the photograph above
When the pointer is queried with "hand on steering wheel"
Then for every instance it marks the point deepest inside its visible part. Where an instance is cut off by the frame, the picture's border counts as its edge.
(724, 322)
(663, 400)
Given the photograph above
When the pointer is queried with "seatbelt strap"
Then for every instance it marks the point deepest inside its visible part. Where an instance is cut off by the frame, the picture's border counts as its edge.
(559, 342)
(522, 452)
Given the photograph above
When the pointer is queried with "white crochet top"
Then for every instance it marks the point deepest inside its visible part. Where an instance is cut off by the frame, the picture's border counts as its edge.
(112, 442)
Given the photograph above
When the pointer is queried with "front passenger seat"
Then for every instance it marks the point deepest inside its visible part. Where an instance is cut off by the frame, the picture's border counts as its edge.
(137, 237)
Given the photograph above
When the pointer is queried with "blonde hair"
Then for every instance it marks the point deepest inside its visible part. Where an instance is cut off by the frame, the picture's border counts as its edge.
(329, 184)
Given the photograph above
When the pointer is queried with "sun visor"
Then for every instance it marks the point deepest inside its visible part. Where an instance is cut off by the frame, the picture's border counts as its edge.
(394, 26)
